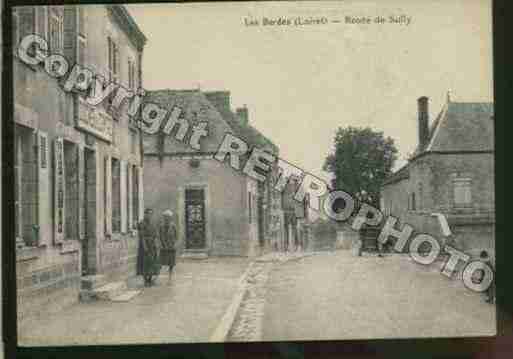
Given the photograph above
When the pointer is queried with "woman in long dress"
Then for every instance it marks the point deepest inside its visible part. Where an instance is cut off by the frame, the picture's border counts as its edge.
(148, 264)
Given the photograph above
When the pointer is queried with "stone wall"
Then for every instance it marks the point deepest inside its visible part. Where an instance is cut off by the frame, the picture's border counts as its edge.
(227, 222)
(430, 178)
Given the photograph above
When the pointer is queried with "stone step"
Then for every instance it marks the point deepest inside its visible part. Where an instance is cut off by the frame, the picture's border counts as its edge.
(126, 296)
(104, 292)
(194, 255)
(91, 282)
(110, 290)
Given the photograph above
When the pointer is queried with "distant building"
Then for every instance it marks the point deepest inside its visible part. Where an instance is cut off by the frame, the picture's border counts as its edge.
(77, 168)
(451, 173)
(220, 211)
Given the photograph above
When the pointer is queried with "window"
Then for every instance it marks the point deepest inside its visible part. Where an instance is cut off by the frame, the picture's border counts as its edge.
(56, 29)
(71, 197)
(26, 186)
(462, 188)
(81, 38)
(421, 194)
(116, 195)
(131, 75)
(127, 170)
(135, 196)
(113, 59)
(412, 205)
(133, 141)
(15, 29)
(249, 207)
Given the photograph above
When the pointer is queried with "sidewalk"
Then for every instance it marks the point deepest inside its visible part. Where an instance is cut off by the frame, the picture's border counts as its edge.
(186, 310)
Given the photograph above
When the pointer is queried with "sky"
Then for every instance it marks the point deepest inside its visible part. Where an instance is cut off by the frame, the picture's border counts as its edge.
(301, 83)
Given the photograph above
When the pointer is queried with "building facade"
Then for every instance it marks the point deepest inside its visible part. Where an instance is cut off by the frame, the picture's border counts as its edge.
(220, 210)
(450, 173)
(78, 174)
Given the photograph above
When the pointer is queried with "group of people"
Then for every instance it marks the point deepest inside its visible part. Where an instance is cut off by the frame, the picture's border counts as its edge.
(156, 246)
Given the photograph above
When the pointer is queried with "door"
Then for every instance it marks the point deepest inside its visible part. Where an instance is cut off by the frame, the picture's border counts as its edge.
(89, 214)
(195, 219)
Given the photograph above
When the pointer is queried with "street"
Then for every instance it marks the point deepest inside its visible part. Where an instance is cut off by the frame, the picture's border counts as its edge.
(311, 296)
(335, 295)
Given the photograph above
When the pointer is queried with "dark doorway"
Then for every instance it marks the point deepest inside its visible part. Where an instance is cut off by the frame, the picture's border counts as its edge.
(89, 214)
(195, 219)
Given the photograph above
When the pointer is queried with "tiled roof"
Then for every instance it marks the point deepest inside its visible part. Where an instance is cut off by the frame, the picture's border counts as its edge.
(459, 127)
(463, 126)
(196, 108)
(399, 175)
(249, 134)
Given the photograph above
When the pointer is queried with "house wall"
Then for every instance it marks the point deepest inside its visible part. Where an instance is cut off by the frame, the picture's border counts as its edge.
(228, 229)
(432, 182)
(48, 274)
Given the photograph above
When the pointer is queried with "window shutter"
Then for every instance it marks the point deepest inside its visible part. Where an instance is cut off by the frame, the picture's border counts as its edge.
(108, 195)
(59, 192)
(42, 21)
(43, 184)
(129, 196)
(123, 194)
(27, 21)
(70, 33)
(81, 20)
(141, 194)
(15, 30)
(81, 192)
(81, 49)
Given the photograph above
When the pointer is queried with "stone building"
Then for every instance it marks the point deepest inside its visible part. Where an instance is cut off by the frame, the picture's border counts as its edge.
(220, 210)
(450, 173)
(78, 175)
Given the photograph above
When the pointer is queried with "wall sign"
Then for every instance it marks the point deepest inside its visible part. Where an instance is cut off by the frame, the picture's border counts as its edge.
(94, 121)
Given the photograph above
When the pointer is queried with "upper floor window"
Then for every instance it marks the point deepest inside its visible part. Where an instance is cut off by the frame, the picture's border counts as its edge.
(29, 20)
(412, 202)
(462, 191)
(56, 29)
(131, 74)
(113, 59)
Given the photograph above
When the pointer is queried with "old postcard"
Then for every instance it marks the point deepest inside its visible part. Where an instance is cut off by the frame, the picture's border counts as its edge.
(253, 171)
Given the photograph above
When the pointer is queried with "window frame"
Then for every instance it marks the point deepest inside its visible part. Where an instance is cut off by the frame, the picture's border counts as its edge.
(464, 183)
(115, 160)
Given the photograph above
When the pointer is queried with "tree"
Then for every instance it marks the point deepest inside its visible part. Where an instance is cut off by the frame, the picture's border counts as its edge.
(361, 161)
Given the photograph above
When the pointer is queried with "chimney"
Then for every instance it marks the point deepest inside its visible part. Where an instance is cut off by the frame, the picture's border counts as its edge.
(220, 100)
(423, 122)
(242, 114)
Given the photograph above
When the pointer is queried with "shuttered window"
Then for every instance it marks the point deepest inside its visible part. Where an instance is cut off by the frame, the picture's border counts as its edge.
(27, 24)
(81, 12)
(71, 197)
(128, 197)
(116, 196)
(249, 207)
(42, 21)
(108, 195)
(15, 30)
(59, 190)
(113, 59)
(135, 196)
(123, 196)
(26, 186)
(56, 29)
(43, 195)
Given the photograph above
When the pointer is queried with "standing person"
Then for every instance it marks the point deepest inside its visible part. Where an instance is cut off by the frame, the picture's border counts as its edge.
(147, 257)
(167, 235)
